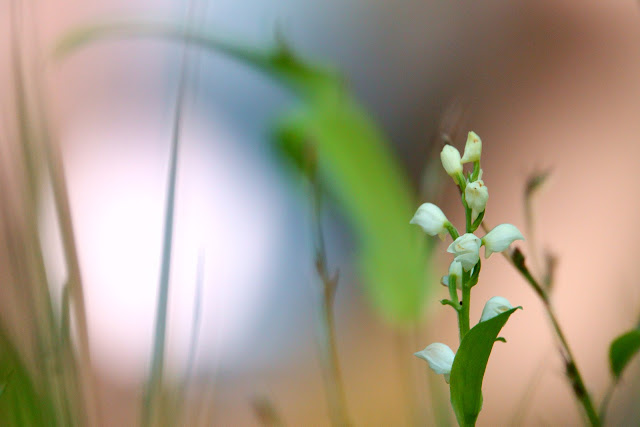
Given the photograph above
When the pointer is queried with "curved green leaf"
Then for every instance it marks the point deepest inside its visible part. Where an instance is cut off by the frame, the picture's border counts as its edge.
(469, 366)
(622, 350)
(353, 158)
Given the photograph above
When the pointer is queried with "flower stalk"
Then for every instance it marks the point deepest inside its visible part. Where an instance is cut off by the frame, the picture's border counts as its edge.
(327, 343)
(464, 273)
(571, 368)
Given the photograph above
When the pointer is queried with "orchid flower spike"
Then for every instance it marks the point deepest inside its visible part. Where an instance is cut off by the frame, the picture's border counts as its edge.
(473, 148)
(499, 239)
(495, 306)
(476, 194)
(450, 157)
(466, 250)
(439, 357)
(431, 219)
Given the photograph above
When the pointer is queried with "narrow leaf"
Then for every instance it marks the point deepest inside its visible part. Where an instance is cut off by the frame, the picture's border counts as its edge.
(622, 351)
(353, 157)
(469, 366)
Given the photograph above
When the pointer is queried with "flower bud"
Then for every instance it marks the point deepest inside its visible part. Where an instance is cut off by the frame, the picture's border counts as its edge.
(466, 250)
(439, 357)
(431, 219)
(455, 270)
(473, 148)
(450, 158)
(495, 306)
(476, 194)
(499, 239)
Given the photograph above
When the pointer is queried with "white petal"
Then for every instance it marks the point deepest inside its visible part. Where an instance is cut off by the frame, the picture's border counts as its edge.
(466, 250)
(450, 158)
(455, 268)
(430, 218)
(439, 357)
(473, 148)
(499, 239)
(495, 306)
(468, 260)
(476, 195)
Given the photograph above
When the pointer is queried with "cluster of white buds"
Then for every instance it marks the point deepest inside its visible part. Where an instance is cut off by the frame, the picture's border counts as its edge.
(465, 267)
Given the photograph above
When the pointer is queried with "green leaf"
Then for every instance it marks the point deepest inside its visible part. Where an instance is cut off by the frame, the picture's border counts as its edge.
(354, 161)
(622, 350)
(21, 404)
(469, 366)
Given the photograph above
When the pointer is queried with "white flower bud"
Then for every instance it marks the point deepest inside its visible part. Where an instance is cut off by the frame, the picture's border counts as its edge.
(455, 269)
(431, 219)
(439, 357)
(495, 306)
(450, 157)
(476, 194)
(499, 239)
(473, 148)
(466, 250)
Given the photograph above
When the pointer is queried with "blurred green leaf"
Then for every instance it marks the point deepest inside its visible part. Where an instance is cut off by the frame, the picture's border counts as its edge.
(353, 158)
(469, 366)
(622, 351)
(20, 402)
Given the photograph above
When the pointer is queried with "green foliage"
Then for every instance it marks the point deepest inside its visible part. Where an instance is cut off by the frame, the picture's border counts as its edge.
(21, 404)
(622, 350)
(353, 159)
(469, 366)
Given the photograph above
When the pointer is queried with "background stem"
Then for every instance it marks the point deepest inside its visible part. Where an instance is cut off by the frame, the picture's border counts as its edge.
(326, 320)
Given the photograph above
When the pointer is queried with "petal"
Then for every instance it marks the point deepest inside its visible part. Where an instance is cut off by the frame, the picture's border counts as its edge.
(494, 307)
(468, 260)
(499, 239)
(450, 158)
(439, 357)
(430, 218)
(473, 148)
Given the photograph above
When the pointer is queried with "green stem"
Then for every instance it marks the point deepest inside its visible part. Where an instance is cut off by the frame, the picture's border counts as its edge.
(476, 171)
(463, 314)
(153, 388)
(572, 371)
(452, 230)
(327, 341)
(605, 401)
(453, 293)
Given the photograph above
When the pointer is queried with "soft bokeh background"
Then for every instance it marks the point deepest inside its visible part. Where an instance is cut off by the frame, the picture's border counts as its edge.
(546, 84)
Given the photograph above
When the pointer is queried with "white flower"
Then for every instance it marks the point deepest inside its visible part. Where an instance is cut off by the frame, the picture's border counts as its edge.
(431, 219)
(493, 307)
(499, 239)
(466, 249)
(439, 357)
(455, 269)
(450, 157)
(473, 148)
(476, 194)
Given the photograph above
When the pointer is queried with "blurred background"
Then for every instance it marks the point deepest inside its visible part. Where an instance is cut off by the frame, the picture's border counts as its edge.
(548, 85)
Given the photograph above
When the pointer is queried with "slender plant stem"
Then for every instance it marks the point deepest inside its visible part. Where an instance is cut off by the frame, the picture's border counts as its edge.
(326, 322)
(604, 405)
(50, 359)
(154, 384)
(571, 368)
(463, 314)
(55, 165)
